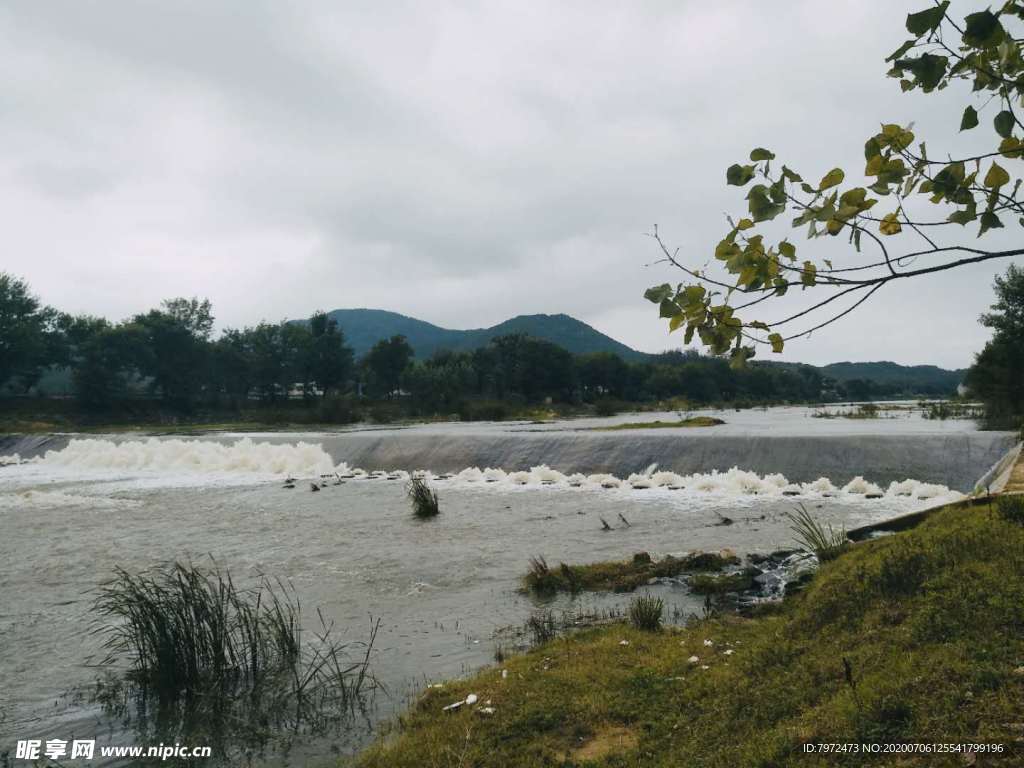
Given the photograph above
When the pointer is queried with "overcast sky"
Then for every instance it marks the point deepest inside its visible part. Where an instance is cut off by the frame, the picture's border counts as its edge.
(460, 162)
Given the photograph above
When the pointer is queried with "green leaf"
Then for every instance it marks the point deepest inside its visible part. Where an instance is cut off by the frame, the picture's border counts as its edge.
(761, 206)
(890, 225)
(760, 153)
(901, 50)
(1004, 123)
(996, 176)
(668, 308)
(775, 339)
(744, 224)
(923, 22)
(738, 175)
(964, 216)
(989, 221)
(1010, 147)
(983, 29)
(791, 175)
(809, 274)
(928, 69)
(831, 179)
(658, 293)
(969, 120)
(872, 148)
(787, 249)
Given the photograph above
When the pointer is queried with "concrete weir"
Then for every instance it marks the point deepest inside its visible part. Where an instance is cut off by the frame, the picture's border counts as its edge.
(956, 460)
(775, 441)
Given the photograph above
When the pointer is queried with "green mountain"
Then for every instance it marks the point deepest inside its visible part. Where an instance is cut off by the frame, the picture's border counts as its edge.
(894, 374)
(365, 327)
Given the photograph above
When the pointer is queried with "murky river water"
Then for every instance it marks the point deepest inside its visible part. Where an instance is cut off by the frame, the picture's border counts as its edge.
(444, 589)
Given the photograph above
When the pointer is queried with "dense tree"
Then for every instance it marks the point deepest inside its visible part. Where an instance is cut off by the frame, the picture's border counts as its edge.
(27, 334)
(441, 383)
(602, 374)
(101, 358)
(330, 361)
(997, 376)
(386, 362)
(976, 192)
(171, 348)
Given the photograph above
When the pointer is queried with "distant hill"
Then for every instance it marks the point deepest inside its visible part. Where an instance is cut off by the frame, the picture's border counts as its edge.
(894, 374)
(365, 327)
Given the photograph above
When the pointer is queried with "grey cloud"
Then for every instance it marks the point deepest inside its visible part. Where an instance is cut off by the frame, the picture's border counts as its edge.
(462, 162)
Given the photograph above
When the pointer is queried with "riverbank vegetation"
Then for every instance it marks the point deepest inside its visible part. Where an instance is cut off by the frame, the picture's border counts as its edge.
(684, 422)
(918, 636)
(190, 655)
(618, 576)
(423, 499)
(167, 368)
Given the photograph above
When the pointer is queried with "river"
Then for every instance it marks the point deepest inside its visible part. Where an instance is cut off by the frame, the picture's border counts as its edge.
(445, 590)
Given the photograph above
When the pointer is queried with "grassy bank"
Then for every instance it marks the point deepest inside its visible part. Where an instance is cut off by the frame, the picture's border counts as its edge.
(930, 623)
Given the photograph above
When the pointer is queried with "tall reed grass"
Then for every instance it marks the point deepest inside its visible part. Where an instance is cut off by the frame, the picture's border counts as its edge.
(825, 542)
(189, 634)
(423, 499)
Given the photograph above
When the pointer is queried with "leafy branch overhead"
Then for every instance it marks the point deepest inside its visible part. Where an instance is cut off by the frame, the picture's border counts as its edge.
(909, 207)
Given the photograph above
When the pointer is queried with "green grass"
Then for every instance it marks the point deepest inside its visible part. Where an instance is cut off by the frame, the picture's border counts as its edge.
(719, 584)
(694, 421)
(616, 576)
(930, 621)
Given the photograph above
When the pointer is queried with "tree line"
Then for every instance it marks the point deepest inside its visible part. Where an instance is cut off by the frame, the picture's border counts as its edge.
(170, 353)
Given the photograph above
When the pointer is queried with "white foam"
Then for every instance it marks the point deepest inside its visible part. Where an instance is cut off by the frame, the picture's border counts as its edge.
(192, 456)
(33, 499)
(862, 487)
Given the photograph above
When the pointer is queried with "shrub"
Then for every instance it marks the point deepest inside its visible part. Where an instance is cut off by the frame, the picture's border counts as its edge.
(1011, 508)
(826, 543)
(645, 613)
(385, 413)
(607, 406)
(483, 410)
(423, 499)
(337, 409)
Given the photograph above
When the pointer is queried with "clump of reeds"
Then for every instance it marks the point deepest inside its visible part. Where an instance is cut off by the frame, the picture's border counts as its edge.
(189, 633)
(825, 542)
(423, 499)
(645, 613)
(543, 626)
(539, 578)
